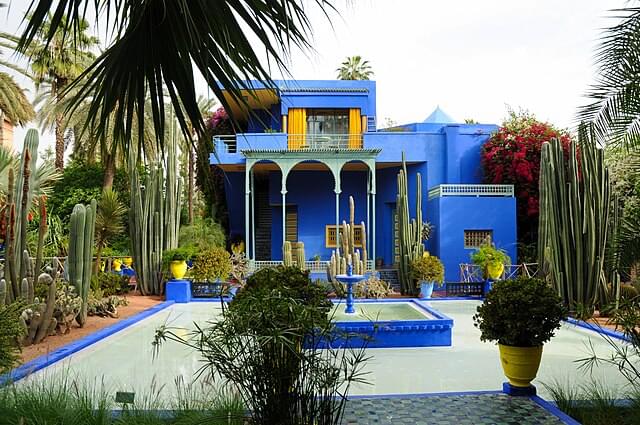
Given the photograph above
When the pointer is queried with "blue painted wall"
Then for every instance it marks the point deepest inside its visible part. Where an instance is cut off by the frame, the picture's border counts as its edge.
(455, 214)
(316, 207)
(442, 153)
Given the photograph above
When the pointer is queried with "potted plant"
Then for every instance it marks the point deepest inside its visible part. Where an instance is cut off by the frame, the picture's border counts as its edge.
(128, 261)
(491, 260)
(178, 266)
(211, 266)
(521, 315)
(427, 270)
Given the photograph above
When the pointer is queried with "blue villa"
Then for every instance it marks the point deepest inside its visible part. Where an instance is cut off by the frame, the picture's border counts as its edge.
(307, 146)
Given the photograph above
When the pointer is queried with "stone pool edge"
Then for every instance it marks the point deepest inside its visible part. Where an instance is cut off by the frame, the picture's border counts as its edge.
(60, 353)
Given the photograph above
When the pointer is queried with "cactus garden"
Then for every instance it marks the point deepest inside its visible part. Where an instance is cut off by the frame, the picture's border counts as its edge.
(186, 239)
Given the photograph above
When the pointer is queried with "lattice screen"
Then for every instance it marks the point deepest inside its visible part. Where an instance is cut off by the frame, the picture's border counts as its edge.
(475, 238)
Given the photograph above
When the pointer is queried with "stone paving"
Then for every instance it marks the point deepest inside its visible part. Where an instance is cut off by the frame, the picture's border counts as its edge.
(472, 409)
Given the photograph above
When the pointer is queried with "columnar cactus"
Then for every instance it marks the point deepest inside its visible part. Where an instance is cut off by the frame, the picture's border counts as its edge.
(575, 208)
(154, 218)
(348, 254)
(83, 220)
(287, 258)
(3, 292)
(410, 231)
(300, 256)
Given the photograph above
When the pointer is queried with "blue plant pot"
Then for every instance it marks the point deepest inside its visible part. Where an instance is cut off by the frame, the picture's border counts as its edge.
(426, 289)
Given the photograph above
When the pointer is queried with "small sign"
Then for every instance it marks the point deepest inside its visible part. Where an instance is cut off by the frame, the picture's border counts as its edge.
(124, 397)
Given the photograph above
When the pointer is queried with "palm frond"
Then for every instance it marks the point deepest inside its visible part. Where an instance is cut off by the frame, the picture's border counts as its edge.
(615, 96)
(109, 219)
(13, 102)
(212, 35)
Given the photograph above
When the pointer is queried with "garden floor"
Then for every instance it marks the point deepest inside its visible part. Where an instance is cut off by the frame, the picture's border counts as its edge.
(454, 409)
(137, 303)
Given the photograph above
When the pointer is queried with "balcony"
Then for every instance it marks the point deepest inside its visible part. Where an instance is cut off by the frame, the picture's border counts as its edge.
(228, 148)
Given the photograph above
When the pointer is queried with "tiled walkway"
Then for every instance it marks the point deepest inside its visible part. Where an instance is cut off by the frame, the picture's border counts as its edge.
(472, 409)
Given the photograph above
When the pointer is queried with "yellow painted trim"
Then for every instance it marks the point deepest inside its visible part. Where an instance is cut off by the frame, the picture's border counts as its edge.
(355, 129)
(297, 128)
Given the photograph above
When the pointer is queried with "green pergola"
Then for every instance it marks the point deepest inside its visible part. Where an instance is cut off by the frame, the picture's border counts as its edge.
(286, 160)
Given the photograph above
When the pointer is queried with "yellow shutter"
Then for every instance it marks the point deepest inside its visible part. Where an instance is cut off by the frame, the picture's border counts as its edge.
(355, 129)
(297, 127)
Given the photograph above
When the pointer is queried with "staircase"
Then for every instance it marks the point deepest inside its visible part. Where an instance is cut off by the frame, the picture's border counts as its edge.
(262, 211)
(391, 277)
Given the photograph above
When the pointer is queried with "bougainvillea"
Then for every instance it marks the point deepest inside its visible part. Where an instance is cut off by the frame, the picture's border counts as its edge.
(512, 156)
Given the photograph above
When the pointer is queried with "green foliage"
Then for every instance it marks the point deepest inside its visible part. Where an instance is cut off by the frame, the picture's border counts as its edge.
(211, 264)
(109, 219)
(11, 333)
(596, 404)
(80, 183)
(289, 283)
(110, 283)
(524, 312)
(266, 347)
(61, 400)
(202, 234)
(427, 268)
(628, 293)
(488, 254)
(182, 253)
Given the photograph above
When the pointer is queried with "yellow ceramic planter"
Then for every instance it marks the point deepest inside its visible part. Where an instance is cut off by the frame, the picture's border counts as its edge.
(117, 265)
(178, 269)
(495, 270)
(128, 261)
(520, 364)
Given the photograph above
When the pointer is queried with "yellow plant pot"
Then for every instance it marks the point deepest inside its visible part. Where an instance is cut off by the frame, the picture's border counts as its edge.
(128, 261)
(117, 265)
(178, 269)
(495, 270)
(520, 364)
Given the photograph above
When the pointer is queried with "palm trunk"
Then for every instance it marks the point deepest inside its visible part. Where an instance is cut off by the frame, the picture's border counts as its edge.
(59, 143)
(190, 189)
(109, 171)
(2, 128)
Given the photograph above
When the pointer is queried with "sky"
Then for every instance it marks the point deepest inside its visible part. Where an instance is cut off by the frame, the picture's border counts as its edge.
(472, 58)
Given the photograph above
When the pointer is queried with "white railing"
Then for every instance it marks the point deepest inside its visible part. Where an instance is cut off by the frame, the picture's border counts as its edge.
(225, 143)
(313, 266)
(325, 141)
(474, 273)
(471, 190)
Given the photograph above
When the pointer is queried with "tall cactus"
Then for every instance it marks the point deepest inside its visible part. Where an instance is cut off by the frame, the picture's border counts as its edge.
(287, 257)
(300, 255)
(83, 220)
(348, 253)
(575, 206)
(410, 231)
(154, 218)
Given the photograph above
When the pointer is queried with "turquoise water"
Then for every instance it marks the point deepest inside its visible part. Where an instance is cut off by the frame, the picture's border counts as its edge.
(124, 362)
(379, 312)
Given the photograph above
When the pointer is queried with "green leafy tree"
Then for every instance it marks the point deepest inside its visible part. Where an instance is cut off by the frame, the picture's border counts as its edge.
(354, 68)
(109, 222)
(57, 58)
(216, 38)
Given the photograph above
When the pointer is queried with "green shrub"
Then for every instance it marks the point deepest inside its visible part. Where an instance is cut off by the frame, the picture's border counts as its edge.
(183, 253)
(524, 312)
(11, 332)
(211, 264)
(202, 234)
(110, 283)
(427, 268)
(628, 292)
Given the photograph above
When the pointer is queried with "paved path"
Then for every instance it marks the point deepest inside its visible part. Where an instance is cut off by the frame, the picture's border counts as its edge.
(472, 409)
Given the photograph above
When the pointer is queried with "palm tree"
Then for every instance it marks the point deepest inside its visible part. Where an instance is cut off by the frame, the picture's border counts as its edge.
(14, 105)
(55, 62)
(615, 109)
(354, 68)
(157, 44)
(108, 222)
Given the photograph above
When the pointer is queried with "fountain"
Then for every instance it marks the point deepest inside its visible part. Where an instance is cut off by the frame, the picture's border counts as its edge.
(350, 279)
